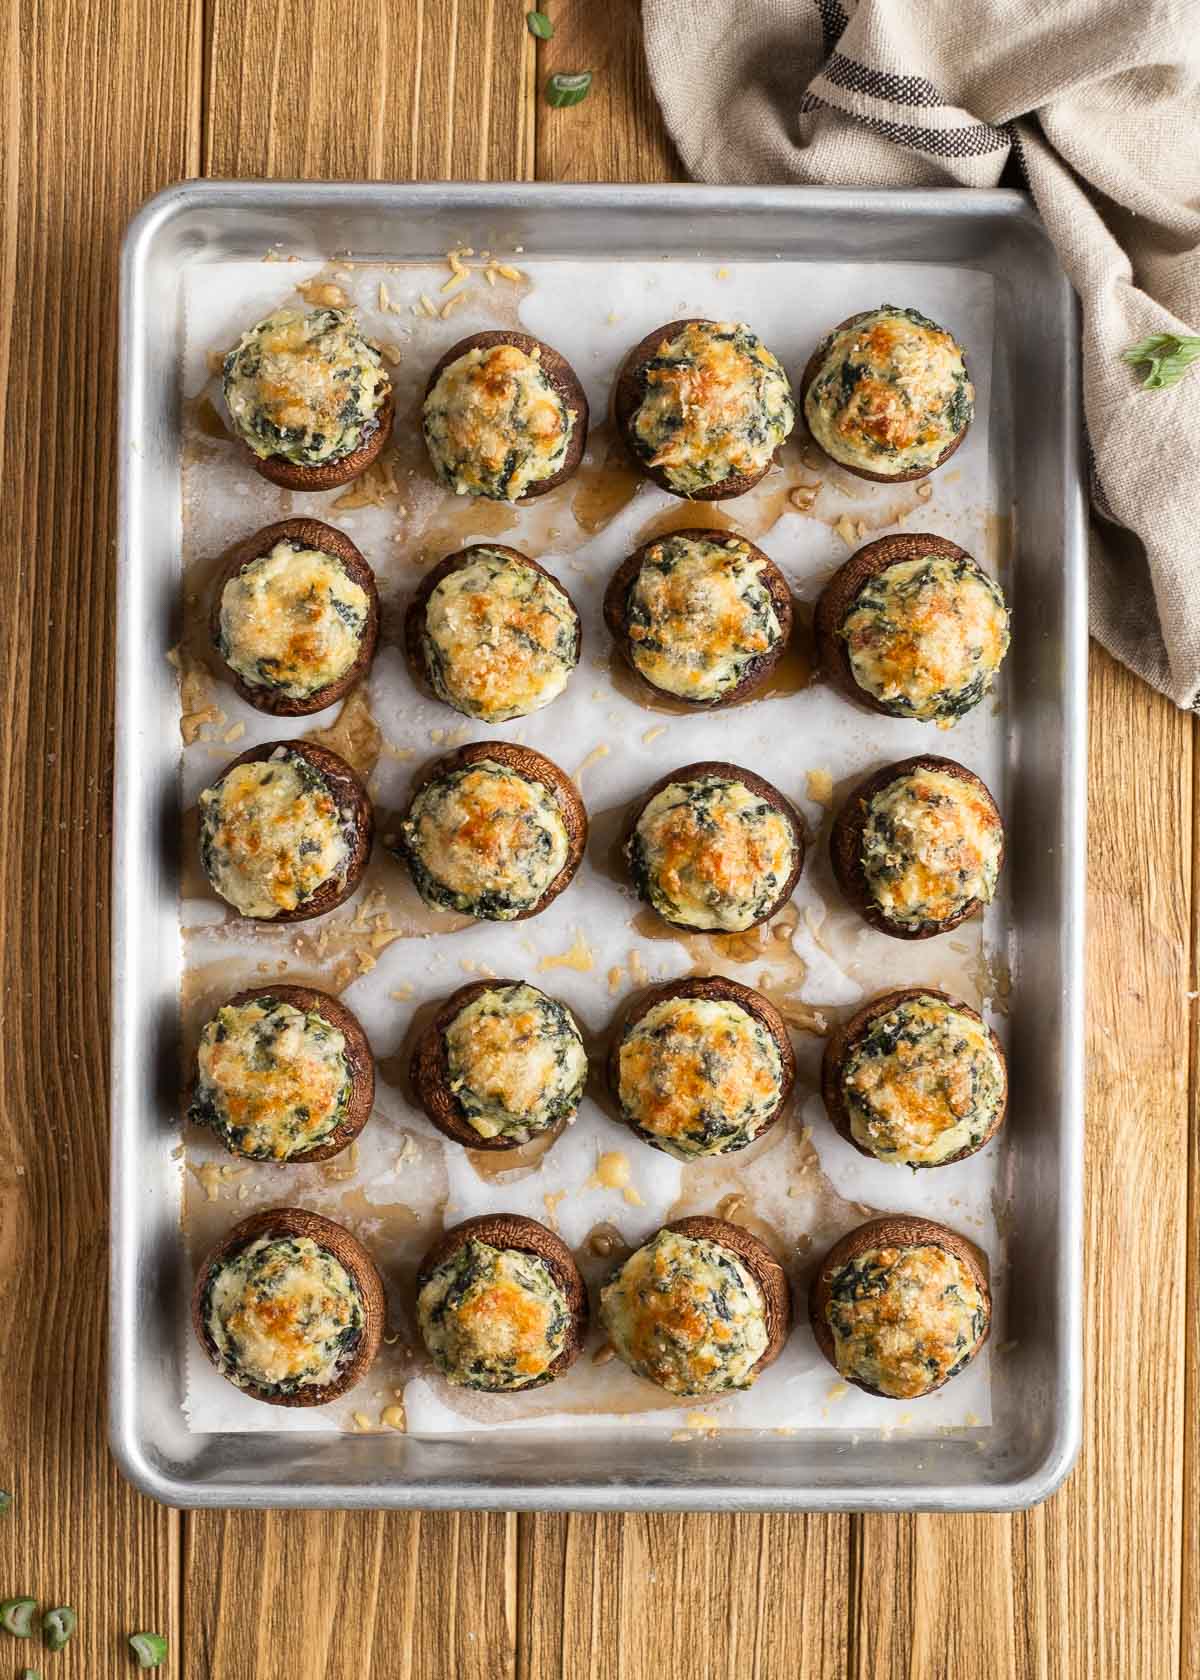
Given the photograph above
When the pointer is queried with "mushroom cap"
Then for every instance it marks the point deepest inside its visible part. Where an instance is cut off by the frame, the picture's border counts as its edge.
(352, 802)
(359, 1060)
(562, 377)
(722, 769)
(616, 616)
(529, 1236)
(429, 1070)
(716, 989)
(844, 1039)
(627, 399)
(329, 475)
(892, 1230)
(531, 766)
(414, 615)
(763, 1268)
(840, 593)
(325, 539)
(845, 848)
(299, 1222)
(813, 367)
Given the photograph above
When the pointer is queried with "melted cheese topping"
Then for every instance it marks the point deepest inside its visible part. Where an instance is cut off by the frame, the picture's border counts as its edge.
(271, 834)
(494, 423)
(305, 385)
(273, 1081)
(686, 1314)
(484, 841)
(891, 393)
(292, 620)
(711, 854)
(926, 636)
(699, 615)
(716, 403)
(922, 1082)
(500, 638)
(931, 844)
(698, 1076)
(493, 1318)
(515, 1061)
(904, 1319)
(283, 1314)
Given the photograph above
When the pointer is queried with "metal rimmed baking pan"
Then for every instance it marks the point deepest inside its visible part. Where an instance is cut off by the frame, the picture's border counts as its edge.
(1037, 1386)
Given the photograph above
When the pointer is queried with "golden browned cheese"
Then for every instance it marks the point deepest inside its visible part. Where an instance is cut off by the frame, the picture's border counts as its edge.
(271, 834)
(292, 620)
(931, 843)
(712, 853)
(903, 1319)
(493, 1318)
(494, 424)
(272, 1081)
(279, 1313)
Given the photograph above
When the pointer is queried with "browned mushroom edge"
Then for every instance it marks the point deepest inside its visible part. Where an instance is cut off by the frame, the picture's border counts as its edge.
(354, 807)
(429, 1070)
(837, 600)
(531, 766)
(527, 1236)
(299, 1222)
(724, 771)
(360, 1063)
(616, 617)
(843, 1040)
(720, 990)
(563, 379)
(324, 539)
(627, 399)
(813, 367)
(845, 845)
(763, 1268)
(893, 1230)
(414, 615)
(328, 475)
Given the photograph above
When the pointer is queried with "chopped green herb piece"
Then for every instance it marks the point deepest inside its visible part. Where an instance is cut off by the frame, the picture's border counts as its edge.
(30, 1674)
(58, 1626)
(149, 1648)
(539, 25)
(568, 89)
(16, 1616)
(1168, 355)
(5, 1502)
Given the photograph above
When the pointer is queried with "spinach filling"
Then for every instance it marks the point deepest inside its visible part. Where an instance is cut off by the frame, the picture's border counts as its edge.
(493, 1319)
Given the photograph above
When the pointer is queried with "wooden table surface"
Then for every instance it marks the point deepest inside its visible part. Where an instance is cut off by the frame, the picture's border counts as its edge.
(100, 105)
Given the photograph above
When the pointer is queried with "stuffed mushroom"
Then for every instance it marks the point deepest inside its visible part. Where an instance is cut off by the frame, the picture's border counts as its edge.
(887, 395)
(295, 617)
(290, 1308)
(701, 616)
(308, 397)
(501, 1306)
(714, 848)
(492, 633)
(911, 627)
(700, 1309)
(494, 831)
(702, 407)
(285, 831)
(900, 1305)
(504, 417)
(499, 1064)
(918, 847)
(915, 1077)
(701, 1067)
(283, 1073)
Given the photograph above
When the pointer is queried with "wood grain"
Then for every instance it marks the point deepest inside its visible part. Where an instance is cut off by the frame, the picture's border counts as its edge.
(72, 168)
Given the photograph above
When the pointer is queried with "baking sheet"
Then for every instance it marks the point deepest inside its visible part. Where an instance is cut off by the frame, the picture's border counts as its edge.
(801, 1185)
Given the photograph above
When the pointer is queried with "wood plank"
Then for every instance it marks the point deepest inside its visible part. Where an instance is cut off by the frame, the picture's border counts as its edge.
(449, 97)
(1189, 1653)
(1090, 1582)
(617, 1597)
(72, 168)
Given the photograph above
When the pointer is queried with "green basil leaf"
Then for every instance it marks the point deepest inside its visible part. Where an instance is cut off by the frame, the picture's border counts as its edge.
(539, 24)
(568, 89)
(1168, 356)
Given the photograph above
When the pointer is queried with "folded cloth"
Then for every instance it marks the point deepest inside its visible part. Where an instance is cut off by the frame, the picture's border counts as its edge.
(1100, 100)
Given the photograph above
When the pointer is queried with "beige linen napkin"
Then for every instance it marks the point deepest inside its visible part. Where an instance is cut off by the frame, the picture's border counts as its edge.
(1101, 101)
